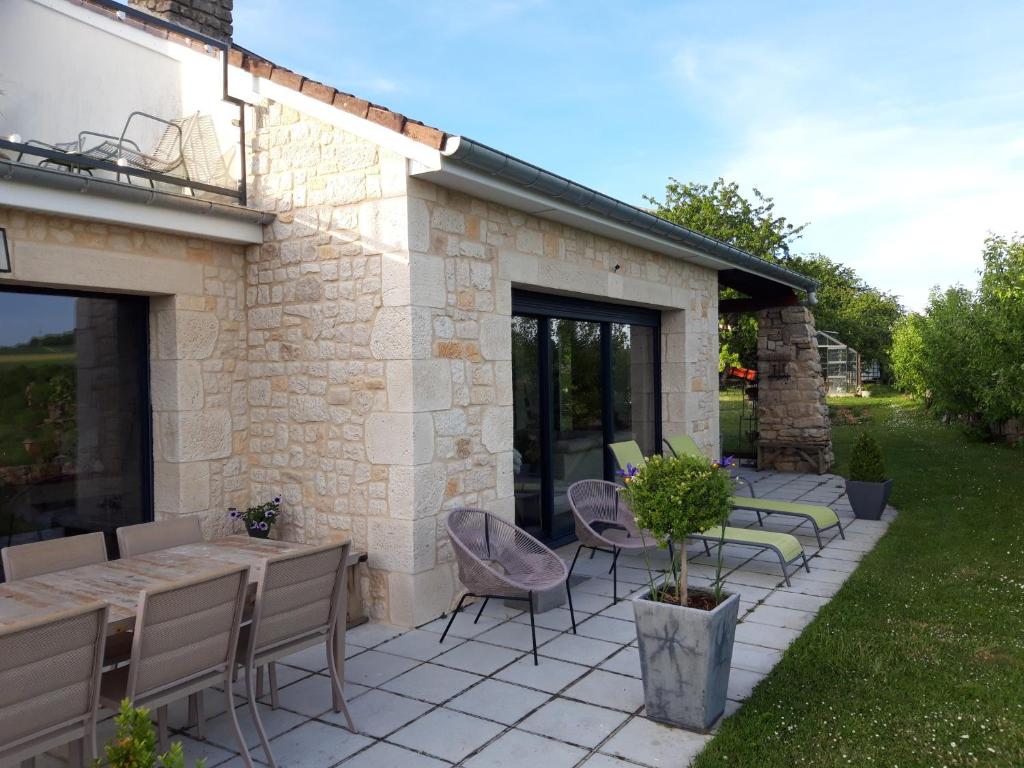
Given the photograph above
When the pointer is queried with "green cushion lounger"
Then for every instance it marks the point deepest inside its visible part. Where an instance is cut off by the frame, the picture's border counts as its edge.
(821, 517)
(786, 546)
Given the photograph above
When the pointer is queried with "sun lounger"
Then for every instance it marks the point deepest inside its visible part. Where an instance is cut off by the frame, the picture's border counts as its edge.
(785, 546)
(820, 517)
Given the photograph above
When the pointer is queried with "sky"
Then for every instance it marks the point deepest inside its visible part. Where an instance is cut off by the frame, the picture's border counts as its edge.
(896, 130)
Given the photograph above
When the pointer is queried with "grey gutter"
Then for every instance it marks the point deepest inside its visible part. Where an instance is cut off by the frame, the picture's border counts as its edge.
(76, 182)
(485, 159)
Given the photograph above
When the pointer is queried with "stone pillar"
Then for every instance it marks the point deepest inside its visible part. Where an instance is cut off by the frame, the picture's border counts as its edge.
(794, 432)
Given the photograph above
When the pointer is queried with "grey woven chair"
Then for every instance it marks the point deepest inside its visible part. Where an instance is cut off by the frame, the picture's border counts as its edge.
(166, 157)
(49, 684)
(52, 555)
(27, 560)
(186, 637)
(497, 559)
(135, 540)
(300, 603)
(604, 523)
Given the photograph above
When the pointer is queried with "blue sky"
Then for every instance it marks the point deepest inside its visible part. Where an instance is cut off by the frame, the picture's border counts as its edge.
(895, 129)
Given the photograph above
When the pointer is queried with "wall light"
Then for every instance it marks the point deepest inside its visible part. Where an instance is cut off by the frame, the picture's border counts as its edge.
(5, 255)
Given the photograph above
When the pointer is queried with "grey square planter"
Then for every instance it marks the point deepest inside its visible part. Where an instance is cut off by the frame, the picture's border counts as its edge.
(685, 656)
(868, 500)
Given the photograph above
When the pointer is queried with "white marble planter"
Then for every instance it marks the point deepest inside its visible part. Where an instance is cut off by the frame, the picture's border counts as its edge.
(685, 656)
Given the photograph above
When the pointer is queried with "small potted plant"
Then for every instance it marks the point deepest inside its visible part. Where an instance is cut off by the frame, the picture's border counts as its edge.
(259, 519)
(134, 743)
(685, 635)
(867, 487)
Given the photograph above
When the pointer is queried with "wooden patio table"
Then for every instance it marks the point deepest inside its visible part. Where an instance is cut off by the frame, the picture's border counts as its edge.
(119, 582)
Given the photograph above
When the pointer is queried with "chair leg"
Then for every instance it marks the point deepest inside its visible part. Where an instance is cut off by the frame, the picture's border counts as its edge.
(578, 550)
(481, 611)
(806, 566)
(161, 729)
(200, 721)
(707, 549)
(782, 562)
(229, 695)
(533, 628)
(454, 614)
(572, 613)
(29, 762)
(75, 753)
(336, 684)
(254, 711)
(259, 682)
(817, 533)
(275, 700)
(840, 524)
(90, 743)
(615, 575)
(760, 521)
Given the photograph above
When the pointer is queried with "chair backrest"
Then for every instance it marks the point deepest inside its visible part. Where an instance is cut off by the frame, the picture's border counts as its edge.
(683, 445)
(627, 452)
(50, 677)
(300, 594)
(135, 540)
(186, 630)
(595, 501)
(26, 560)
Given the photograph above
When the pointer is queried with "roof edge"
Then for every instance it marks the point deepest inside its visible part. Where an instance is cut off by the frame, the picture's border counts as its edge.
(493, 162)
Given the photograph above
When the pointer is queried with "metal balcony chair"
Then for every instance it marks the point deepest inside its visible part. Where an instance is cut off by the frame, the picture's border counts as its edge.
(300, 603)
(186, 638)
(166, 157)
(135, 540)
(49, 684)
(604, 523)
(497, 559)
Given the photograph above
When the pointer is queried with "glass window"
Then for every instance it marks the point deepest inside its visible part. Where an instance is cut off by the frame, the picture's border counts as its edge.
(526, 429)
(634, 394)
(74, 415)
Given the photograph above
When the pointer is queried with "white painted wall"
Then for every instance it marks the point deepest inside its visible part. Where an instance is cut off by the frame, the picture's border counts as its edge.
(64, 68)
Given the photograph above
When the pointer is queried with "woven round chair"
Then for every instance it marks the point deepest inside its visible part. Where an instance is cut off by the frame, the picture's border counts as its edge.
(604, 523)
(497, 559)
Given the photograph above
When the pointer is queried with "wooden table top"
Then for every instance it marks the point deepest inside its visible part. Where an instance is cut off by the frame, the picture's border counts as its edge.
(118, 582)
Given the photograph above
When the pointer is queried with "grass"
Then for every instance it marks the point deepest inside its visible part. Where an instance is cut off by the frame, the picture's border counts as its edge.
(730, 409)
(919, 659)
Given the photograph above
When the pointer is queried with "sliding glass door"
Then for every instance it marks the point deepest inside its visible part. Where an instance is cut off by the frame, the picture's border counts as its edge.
(584, 375)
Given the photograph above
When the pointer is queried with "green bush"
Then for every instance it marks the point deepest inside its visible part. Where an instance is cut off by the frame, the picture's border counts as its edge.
(866, 463)
(134, 743)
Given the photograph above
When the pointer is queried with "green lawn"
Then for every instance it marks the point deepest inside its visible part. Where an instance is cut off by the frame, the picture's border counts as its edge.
(919, 660)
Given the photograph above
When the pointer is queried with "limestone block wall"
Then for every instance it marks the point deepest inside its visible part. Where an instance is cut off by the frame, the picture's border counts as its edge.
(197, 344)
(794, 430)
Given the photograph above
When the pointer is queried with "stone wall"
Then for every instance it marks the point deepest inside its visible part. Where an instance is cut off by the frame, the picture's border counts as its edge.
(794, 431)
(197, 353)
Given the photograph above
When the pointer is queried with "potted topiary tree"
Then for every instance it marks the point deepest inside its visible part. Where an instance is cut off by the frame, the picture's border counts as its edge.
(867, 487)
(685, 636)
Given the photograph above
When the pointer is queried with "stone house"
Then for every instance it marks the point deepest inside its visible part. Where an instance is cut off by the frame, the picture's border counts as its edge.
(374, 318)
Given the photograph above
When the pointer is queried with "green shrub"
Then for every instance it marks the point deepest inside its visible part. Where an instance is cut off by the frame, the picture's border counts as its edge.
(866, 463)
(134, 744)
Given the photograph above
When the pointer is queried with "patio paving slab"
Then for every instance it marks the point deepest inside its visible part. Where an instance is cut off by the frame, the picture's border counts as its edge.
(373, 668)
(496, 700)
(419, 644)
(774, 616)
(371, 634)
(446, 734)
(384, 755)
(479, 658)
(796, 601)
(625, 662)
(378, 713)
(607, 689)
(518, 748)
(550, 675)
(579, 649)
(316, 745)
(754, 658)
(575, 722)
(220, 731)
(778, 638)
(604, 628)
(431, 683)
(742, 682)
(652, 744)
(516, 635)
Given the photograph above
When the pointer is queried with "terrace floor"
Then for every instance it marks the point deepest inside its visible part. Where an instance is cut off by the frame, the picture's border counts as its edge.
(477, 699)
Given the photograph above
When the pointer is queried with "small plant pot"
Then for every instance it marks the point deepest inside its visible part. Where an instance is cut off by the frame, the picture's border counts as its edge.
(685, 656)
(256, 533)
(868, 499)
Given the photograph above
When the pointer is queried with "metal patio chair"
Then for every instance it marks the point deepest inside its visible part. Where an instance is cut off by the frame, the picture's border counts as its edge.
(497, 559)
(49, 684)
(186, 638)
(604, 523)
(166, 157)
(135, 540)
(300, 603)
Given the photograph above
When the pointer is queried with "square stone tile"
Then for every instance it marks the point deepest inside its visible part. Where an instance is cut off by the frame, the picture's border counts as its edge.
(311, 696)
(622, 610)
(745, 577)
(313, 659)
(378, 713)
(742, 682)
(823, 576)
(550, 675)
(607, 689)
(598, 760)
(497, 700)
(817, 588)
(778, 638)
(446, 734)
(370, 634)
(419, 644)
(516, 749)
(577, 723)
(315, 745)
(220, 731)
(286, 675)
(625, 662)
(432, 683)
(214, 702)
(384, 755)
(796, 601)
(604, 628)
(557, 619)
(774, 616)
(754, 658)
(584, 602)
(602, 586)
(644, 741)
(516, 635)
(579, 649)
(373, 668)
(207, 751)
(463, 625)
(480, 658)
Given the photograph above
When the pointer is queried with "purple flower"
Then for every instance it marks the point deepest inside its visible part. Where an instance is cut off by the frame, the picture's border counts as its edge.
(726, 462)
(232, 512)
(628, 473)
(277, 499)
(263, 526)
(254, 525)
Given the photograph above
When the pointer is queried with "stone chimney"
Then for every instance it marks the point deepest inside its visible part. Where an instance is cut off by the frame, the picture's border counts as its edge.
(207, 17)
